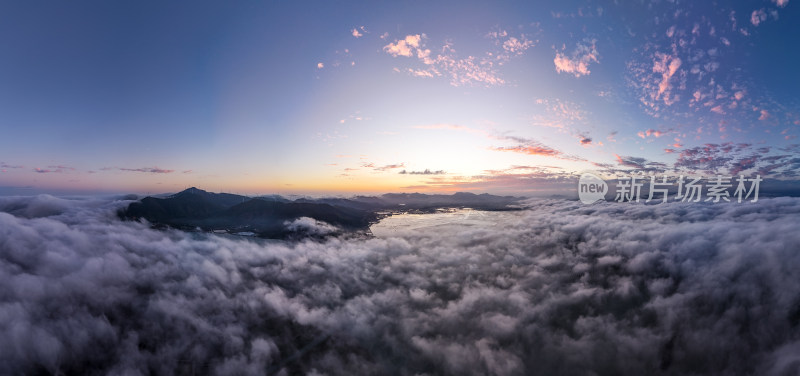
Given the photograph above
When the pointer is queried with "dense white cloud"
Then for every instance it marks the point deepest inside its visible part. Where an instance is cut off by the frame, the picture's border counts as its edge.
(309, 226)
(559, 288)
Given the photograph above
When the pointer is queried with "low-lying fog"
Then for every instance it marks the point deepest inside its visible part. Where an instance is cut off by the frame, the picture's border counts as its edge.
(560, 288)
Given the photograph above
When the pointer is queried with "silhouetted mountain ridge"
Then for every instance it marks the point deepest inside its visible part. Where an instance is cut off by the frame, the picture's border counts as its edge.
(268, 216)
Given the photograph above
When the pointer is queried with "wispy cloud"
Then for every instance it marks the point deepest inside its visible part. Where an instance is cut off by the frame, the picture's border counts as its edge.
(709, 157)
(652, 132)
(425, 172)
(152, 170)
(6, 165)
(390, 167)
(667, 66)
(635, 162)
(559, 113)
(758, 16)
(53, 169)
(460, 71)
(533, 179)
(356, 116)
(737, 158)
(358, 32)
(577, 63)
(511, 46)
(531, 150)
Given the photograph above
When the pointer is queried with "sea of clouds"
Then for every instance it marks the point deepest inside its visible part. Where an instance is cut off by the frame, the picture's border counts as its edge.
(559, 288)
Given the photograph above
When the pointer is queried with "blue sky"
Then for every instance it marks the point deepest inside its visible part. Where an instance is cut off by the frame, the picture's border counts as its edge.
(316, 98)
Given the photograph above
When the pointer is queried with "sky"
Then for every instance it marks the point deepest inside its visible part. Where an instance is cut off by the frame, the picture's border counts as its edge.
(370, 97)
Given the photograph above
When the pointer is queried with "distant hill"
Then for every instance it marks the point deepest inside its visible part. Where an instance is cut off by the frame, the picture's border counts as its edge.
(268, 216)
(191, 203)
(422, 202)
(459, 199)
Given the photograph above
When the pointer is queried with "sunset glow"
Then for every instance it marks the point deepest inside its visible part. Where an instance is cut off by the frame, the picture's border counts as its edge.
(298, 99)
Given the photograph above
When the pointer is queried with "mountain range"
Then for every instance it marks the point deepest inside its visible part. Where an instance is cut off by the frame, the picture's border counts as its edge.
(268, 216)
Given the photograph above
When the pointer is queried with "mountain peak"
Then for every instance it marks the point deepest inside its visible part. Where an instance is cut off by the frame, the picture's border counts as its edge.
(192, 190)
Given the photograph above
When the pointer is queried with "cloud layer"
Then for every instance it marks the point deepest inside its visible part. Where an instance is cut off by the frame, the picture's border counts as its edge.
(559, 288)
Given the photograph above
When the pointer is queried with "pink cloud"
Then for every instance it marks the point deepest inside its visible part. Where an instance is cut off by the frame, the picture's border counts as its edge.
(666, 65)
(358, 32)
(718, 110)
(764, 115)
(404, 47)
(652, 132)
(578, 62)
(420, 73)
(531, 150)
(757, 17)
(559, 113)
(516, 46)
(460, 71)
(511, 46)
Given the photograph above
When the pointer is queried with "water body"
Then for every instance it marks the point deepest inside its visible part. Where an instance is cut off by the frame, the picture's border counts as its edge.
(407, 224)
